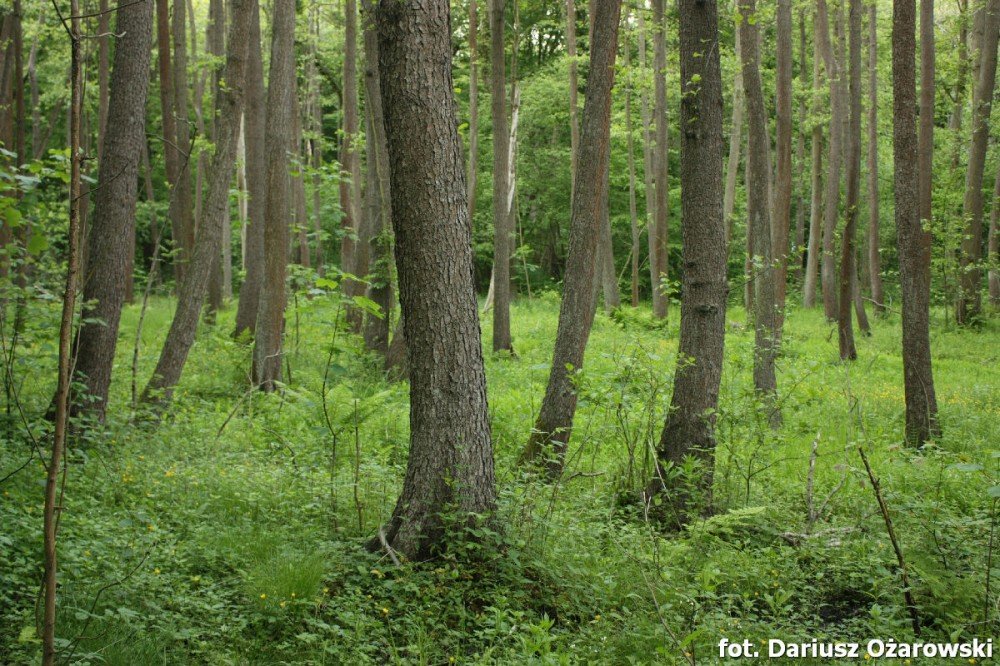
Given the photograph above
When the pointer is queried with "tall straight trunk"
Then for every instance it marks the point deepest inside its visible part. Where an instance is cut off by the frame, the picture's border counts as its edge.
(378, 200)
(255, 132)
(574, 87)
(993, 247)
(648, 159)
(912, 239)
(316, 144)
(473, 177)
(961, 79)
(632, 204)
(103, 71)
(301, 224)
(215, 45)
(832, 194)
(848, 257)
(348, 150)
(183, 199)
(782, 205)
(112, 237)
(735, 143)
(228, 108)
(576, 312)
(658, 229)
(450, 465)
(172, 157)
(969, 304)
(689, 427)
(799, 240)
(267, 352)
(501, 157)
(816, 185)
(765, 314)
(874, 258)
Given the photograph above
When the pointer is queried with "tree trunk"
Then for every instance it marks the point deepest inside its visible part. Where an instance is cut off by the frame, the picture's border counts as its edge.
(913, 241)
(765, 315)
(350, 190)
(316, 145)
(473, 177)
(969, 304)
(255, 131)
(267, 352)
(848, 266)
(648, 159)
(658, 230)
(816, 149)
(215, 45)
(451, 455)
(632, 204)
(103, 72)
(874, 258)
(782, 205)
(689, 428)
(576, 312)
(182, 202)
(228, 108)
(798, 248)
(832, 196)
(993, 254)
(112, 237)
(735, 143)
(172, 157)
(574, 87)
(501, 156)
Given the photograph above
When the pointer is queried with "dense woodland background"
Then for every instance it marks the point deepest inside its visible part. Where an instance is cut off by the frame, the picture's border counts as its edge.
(495, 331)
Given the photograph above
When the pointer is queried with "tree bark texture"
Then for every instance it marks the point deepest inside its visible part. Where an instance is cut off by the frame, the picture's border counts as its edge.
(816, 187)
(501, 156)
(182, 201)
(874, 244)
(782, 206)
(835, 157)
(658, 230)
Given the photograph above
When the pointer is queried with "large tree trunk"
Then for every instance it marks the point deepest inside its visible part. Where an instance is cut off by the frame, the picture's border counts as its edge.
(658, 229)
(816, 149)
(735, 143)
(848, 257)
(874, 258)
(689, 428)
(913, 241)
(832, 197)
(112, 237)
(182, 202)
(193, 288)
(501, 156)
(765, 315)
(267, 352)
(255, 131)
(782, 204)
(576, 312)
(969, 303)
(451, 454)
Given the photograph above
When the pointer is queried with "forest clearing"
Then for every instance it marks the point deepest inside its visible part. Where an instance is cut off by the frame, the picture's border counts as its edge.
(499, 331)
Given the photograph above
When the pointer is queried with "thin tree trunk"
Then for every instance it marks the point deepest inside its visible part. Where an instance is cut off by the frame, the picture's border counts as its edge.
(574, 87)
(172, 157)
(112, 237)
(215, 45)
(316, 143)
(969, 304)
(816, 149)
(193, 288)
(576, 312)
(632, 204)
(103, 71)
(658, 230)
(735, 143)
(832, 196)
(450, 464)
(798, 249)
(350, 161)
(848, 257)
(689, 427)
(913, 240)
(648, 159)
(993, 254)
(765, 315)
(501, 148)
(782, 205)
(874, 257)
(255, 131)
(182, 200)
(473, 173)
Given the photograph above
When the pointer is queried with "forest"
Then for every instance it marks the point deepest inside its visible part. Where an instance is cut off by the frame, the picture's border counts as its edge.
(499, 331)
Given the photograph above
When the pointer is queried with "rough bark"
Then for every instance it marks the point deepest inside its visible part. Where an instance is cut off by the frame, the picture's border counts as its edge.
(969, 303)
(798, 243)
(112, 237)
(832, 193)
(255, 132)
(182, 202)
(735, 143)
(658, 229)
(221, 284)
(171, 155)
(576, 312)
(874, 257)
(501, 156)
(848, 257)
(450, 466)
(193, 288)
(267, 352)
(765, 314)
(913, 241)
(782, 205)
(816, 201)
(689, 427)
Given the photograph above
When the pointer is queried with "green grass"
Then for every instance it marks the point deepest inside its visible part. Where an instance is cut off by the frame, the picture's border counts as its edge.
(186, 542)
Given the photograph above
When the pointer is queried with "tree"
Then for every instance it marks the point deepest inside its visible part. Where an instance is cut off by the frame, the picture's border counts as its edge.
(765, 314)
(473, 176)
(450, 464)
(267, 353)
(255, 132)
(112, 235)
(182, 202)
(912, 239)
(576, 312)
(848, 257)
(969, 303)
(689, 428)
(501, 157)
(171, 153)
(993, 251)
(735, 142)
(832, 193)
(658, 229)
(874, 258)
(350, 184)
(783, 185)
(816, 149)
(574, 91)
(208, 244)
(632, 204)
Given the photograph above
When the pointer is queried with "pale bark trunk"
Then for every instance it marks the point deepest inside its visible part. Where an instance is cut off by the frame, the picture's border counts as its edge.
(816, 187)
(632, 204)
(782, 204)
(832, 194)
(658, 229)
(735, 143)
(501, 155)
(874, 243)
(183, 198)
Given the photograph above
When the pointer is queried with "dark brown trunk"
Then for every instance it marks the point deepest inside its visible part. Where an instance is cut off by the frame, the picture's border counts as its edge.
(832, 194)
(913, 241)
(689, 428)
(576, 312)
(112, 235)
(450, 466)
(658, 229)
(848, 257)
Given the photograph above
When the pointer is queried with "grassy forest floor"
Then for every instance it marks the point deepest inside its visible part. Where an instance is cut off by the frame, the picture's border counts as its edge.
(233, 531)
